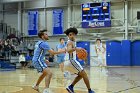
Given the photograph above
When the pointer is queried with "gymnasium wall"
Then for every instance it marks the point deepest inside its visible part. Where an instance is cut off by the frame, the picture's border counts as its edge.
(0, 16)
(0, 12)
(134, 7)
(10, 15)
(45, 16)
(13, 23)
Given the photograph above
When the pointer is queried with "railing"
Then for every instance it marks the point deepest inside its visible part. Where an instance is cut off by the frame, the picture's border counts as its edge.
(6, 30)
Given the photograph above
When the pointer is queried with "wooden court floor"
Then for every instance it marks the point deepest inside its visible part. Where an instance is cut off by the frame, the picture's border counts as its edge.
(102, 80)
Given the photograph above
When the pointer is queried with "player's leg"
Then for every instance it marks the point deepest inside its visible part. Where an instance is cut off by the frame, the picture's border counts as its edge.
(46, 72)
(78, 68)
(81, 74)
(42, 67)
(41, 77)
(61, 65)
(103, 60)
(70, 88)
(59, 62)
(48, 77)
(47, 81)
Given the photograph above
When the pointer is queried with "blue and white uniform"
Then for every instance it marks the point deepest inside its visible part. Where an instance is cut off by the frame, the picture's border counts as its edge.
(41, 47)
(71, 64)
(60, 57)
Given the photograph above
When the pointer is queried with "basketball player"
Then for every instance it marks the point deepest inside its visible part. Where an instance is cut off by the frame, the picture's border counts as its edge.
(100, 51)
(72, 64)
(39, 60)
(60, 57)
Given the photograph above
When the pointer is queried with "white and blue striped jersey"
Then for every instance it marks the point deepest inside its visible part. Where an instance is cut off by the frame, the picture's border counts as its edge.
(71, 64)
(73, 55)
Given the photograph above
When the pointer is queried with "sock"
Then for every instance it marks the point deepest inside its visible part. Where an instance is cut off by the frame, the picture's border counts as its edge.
(71, 86)
(89, 89)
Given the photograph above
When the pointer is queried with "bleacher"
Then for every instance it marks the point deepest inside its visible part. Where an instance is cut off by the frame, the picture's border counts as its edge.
(5, 63)
(13, 60)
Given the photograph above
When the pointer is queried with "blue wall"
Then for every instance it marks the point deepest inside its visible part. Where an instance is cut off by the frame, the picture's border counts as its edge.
(123, 53)
(126, 53)
(113, 53)
(135, 51)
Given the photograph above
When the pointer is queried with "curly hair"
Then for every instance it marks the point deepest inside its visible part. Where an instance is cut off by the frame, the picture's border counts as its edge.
(74, 30)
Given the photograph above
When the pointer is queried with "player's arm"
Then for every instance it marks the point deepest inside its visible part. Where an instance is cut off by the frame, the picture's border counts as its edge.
(71, 48)
(47, 62)
(96, 50)
(56, 52)
(47, 47)
(104, 48)
(60, 49)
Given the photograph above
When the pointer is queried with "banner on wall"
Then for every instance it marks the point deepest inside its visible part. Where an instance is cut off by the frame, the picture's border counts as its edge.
(58, 21)
(32, 23)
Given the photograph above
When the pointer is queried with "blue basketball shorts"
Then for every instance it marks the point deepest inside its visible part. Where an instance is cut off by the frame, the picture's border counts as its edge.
(40, 65)
(60, 59)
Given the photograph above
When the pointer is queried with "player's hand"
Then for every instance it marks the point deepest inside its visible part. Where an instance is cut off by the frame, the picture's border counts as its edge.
(78, 49)
(62, 50)
(47, 62)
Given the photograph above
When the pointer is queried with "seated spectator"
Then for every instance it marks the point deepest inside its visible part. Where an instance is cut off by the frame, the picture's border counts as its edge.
(22, 60)
(28, 59)
(7, 50)
(51, 58)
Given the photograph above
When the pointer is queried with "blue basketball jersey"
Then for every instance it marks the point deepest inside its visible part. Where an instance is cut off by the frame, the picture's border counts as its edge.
(41, 47)
(60, 46)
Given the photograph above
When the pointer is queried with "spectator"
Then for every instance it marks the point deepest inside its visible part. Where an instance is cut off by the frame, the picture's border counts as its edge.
(51, 57)
(22, 60)
(7, 50)
(30, 48)
(28, 59)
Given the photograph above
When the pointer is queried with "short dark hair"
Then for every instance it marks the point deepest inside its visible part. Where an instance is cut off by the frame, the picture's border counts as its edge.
(98, 40)
(61, 39)
(74, 30)
(41, 32)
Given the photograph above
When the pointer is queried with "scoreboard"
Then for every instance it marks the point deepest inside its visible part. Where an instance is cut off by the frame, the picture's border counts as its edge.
(96, 15)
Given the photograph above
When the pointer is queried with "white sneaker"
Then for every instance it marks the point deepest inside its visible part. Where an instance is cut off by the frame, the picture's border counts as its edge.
(35, 88)
(67, 75)
(47, 91)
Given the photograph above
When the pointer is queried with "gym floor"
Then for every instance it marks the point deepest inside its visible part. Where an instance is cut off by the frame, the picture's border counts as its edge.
(102, 80)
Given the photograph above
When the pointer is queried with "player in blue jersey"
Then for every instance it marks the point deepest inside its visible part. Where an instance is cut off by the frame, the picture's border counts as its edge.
(39, 62)
(71, 64)
(60, 57)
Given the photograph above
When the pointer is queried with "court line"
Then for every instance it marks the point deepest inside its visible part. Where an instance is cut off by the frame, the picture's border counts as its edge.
(123, 77)
(127, 89)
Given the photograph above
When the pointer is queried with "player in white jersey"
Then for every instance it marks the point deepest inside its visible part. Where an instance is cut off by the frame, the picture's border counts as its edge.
(100, 51)
(72, 64)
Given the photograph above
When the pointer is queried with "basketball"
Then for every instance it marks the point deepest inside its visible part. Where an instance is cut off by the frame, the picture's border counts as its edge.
(82, 54)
